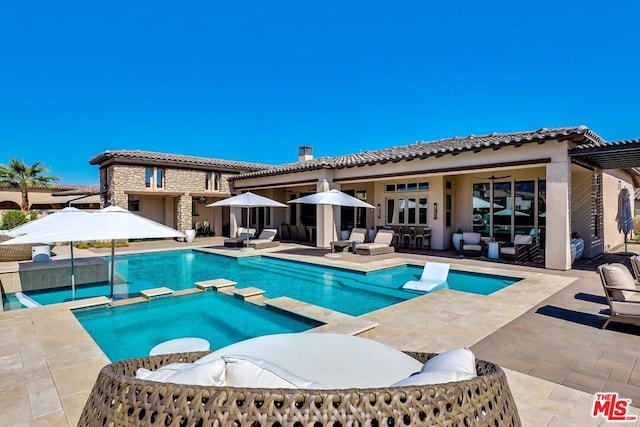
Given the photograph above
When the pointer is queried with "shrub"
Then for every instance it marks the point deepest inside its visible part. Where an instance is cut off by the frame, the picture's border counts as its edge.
(12, 219)
(33, 215)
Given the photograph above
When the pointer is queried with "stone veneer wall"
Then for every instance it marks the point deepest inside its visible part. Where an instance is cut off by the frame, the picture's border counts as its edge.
(126, 178)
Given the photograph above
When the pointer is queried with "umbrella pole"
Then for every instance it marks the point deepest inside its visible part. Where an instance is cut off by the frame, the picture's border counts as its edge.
(73, 275)
(113, 253)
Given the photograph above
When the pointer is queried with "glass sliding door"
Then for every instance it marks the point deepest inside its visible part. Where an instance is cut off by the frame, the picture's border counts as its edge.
(482, 208)
(524, 204)
(502, 211)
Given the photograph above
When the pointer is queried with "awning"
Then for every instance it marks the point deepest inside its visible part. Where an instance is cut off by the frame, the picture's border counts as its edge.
(615, 155)
(95, 198)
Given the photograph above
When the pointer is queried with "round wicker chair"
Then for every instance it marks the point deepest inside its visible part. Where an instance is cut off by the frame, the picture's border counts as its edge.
(118, 399)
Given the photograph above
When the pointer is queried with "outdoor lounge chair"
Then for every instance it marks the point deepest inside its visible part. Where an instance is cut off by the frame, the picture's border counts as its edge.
(265, 239)
(622, 293)
(434, 277)
(519, 250)
(381, 244)
(471, 244)
(26, 300)
(241, 237)
(357, 235)
(635, 265)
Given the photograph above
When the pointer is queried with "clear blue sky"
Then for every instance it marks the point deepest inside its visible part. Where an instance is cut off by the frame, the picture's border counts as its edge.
(254, 80)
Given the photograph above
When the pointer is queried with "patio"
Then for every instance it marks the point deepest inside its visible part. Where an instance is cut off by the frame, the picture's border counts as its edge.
(546, 336)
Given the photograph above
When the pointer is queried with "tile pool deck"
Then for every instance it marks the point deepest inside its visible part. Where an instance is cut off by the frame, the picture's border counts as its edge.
(544, 331)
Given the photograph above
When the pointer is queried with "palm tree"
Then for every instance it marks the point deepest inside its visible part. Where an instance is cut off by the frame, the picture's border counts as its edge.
(18, 174)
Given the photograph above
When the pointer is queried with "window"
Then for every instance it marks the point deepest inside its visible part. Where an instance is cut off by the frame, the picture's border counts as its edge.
(133, 204)
(412, 186)
(154, 177)
(211, 181)
(408, 211)
(353, 217)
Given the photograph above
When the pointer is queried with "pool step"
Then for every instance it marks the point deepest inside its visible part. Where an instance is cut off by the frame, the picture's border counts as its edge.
(156, 292)
(253, 295)
(216, 284)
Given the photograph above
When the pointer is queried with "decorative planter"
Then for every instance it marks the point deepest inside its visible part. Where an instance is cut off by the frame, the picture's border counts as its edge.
(456, 240)
(190, 235)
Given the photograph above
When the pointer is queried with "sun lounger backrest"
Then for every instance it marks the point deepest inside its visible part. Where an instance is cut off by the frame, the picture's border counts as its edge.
(357, 235)
(384, 236)
(617, 275)
(435, 271)
(26, 300)
(268, 234)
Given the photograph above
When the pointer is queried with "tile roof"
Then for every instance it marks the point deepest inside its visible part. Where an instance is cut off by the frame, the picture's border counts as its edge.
(175, 159)
(421, 150)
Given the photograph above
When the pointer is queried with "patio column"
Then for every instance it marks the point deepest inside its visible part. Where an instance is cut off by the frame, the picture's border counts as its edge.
(324, 218)
(558, 233)
(184, 212)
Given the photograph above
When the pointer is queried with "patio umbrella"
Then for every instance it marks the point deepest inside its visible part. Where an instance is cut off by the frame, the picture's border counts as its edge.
(52, 222)
(247, 200)
(507, 212)
(333, 198)
(479, 203)
(111, 223)
(624, 217)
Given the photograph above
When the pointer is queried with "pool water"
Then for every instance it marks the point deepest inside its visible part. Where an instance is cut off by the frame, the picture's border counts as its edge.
(132, 330)
(342, 290)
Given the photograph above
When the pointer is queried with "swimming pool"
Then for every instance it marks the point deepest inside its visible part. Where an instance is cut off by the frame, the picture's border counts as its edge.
(342, 290)
(132, 330)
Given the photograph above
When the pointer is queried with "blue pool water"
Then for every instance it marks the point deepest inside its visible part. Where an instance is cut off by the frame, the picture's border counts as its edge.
(342, 290)
(132, 330)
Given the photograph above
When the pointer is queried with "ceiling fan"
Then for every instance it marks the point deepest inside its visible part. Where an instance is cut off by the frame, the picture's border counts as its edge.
(493, 177)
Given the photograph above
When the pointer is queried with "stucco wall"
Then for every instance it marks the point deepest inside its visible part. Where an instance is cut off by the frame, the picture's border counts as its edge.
(612, 182)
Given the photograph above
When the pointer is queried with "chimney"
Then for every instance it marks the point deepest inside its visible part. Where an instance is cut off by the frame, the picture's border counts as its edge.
(305, 153)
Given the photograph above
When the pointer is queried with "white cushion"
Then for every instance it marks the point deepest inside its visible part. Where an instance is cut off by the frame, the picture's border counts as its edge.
(522, 239)
(509, 250)
(617, 275)
(472, 247)
(335, 360)
(471, 237)
(206, 374)
(457, 360)
(245, 371)
(435, 377)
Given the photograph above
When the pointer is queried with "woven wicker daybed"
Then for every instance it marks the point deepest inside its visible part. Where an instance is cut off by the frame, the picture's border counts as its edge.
(119, 399)
(20, 252)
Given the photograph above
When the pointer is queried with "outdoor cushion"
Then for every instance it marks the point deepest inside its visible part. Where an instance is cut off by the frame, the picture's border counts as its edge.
(618, 276)
(245, 371)
(334, 360)
(268, 234)
(207, 374)
(457, 360)
(471, 238)
(435, 377)
(472, 247)
(522, 239)
(509, 250)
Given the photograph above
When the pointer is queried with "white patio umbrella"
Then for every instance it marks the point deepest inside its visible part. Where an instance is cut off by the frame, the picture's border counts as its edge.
(111, 223)
(479, 203)
(333, 198)
(52, 222)
(247, 200)
(507, 212)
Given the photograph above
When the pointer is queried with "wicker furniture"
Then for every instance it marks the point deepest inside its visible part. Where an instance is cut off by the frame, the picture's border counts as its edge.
(119, 399)
(20, 252)
(382, 244)
(471, 244)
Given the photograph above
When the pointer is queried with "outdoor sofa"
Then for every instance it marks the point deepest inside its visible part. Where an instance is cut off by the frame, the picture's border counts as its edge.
(123, 394)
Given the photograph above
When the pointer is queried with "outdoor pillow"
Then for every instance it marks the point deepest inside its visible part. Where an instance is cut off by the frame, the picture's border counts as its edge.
(206, 374)
(433, 377)
(457, 360)
(617, 275)
(246, 371)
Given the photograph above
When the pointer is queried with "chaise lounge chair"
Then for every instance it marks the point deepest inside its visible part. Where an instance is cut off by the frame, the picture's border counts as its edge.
(265, 239)
(622, 293)
(381, 244)
(26, 300)
(357, 235)
(241, 237)
(434, 277)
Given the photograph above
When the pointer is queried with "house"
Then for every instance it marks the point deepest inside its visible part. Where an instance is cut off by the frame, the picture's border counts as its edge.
(553, 183)
(57, 196)
(168, 188)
